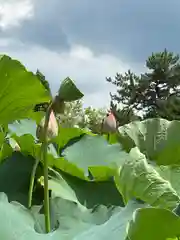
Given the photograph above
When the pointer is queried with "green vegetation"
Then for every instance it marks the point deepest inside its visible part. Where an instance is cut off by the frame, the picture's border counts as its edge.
(152, 94)
(61, 178)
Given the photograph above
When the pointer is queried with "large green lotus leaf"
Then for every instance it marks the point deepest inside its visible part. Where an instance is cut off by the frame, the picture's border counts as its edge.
(157, 138)
(14, 177)
(79, 168)
(154, 224)
(71, 188)
(75, 223)
(171, 174)
(115, 228)
(66, 212)
(36, 116)
(20, 91)
(66, 134)
(27, 144)
(98, 172)
(77, 187)
(16, 185)
(5, 148)
(28, 126)
(65, 166)
(6, 151)
(25, 126)
(29, 147)
(139, 179)
(94, 151)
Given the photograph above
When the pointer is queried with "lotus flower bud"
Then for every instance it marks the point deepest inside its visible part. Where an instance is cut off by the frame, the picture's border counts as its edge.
(52, 130)
(109, 124)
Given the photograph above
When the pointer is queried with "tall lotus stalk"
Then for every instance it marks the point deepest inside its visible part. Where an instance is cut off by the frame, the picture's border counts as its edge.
(44, 147)
(48, 129)
(52, 131)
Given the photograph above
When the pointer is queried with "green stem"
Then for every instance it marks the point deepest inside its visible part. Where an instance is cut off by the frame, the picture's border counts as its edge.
(46, 191)
(44, 158)
(32, 179)
(33, 173)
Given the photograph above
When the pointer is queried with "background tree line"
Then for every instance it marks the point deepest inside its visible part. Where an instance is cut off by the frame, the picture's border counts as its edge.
(155, 93)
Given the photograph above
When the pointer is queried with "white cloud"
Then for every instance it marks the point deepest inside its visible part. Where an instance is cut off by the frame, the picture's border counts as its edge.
(13, 12)
(88, 70)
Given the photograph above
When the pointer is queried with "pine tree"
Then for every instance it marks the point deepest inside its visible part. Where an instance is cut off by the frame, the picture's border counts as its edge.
(151, 93)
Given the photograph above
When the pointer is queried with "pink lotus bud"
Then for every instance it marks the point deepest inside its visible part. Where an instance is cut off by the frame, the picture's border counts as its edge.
(52, 130)
(109, 124)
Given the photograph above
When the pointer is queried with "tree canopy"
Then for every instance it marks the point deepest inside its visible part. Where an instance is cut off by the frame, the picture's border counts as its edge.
(76, 116)
(154, 93)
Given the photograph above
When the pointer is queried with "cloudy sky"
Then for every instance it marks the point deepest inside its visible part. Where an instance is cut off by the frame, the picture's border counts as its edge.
(87, 40)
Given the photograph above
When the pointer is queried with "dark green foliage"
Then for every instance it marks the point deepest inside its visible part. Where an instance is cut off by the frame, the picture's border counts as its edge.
(45, 83)
(43, 80)
(94, 193)
(14, 178)
(154, 93)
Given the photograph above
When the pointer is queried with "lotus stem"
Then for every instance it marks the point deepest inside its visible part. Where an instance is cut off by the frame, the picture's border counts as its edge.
(43, 157)
(44, 147)
(33, 173)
